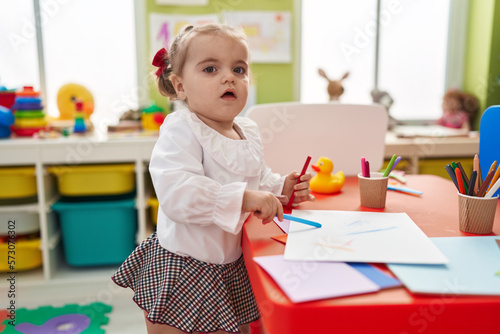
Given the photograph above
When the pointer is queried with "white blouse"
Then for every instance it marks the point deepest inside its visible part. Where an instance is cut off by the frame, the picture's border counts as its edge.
(199, 177)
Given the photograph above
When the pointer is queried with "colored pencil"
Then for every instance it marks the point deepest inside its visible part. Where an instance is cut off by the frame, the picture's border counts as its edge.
(452, 175)
(477, 168)
(493, 189)
(460, 181)
(405, 190)
(464, 176)
(495, 178)
(301, 220)
(363, 167)
(486, 183)
(396, 162)
(473, 177)
(389, 166)
(304, 169)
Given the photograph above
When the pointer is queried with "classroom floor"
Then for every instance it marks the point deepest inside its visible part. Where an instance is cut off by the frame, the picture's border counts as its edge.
(125, 318)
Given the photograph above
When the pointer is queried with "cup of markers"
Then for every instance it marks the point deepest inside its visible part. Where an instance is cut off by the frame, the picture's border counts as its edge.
(373, 190)
(373, 186)
(476, 201)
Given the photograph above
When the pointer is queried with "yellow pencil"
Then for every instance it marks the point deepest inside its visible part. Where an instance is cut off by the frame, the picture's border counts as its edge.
(495, 177)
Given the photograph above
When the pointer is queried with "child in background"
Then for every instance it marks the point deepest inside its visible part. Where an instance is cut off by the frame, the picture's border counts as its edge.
(458, 109)
(209, 174)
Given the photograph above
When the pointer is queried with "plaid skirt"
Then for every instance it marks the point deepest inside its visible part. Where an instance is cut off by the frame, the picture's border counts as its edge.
(186, 293)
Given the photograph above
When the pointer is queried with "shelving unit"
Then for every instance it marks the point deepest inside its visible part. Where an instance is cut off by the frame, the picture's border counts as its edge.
(71, 151)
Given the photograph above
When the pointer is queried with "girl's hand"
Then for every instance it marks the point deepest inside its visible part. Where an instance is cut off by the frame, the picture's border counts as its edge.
(301, 189)
(263, 204)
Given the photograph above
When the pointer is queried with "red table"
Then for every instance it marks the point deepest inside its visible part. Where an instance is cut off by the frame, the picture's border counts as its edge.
(388, 311)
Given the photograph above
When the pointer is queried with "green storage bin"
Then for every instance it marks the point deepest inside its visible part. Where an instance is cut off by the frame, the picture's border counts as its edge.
(97, 233)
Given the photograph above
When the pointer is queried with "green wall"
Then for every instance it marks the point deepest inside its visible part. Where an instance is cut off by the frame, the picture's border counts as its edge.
(493, 96)
(482, 60)
(274, 82)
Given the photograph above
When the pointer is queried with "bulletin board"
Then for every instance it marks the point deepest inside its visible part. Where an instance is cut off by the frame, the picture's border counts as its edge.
(275, 69)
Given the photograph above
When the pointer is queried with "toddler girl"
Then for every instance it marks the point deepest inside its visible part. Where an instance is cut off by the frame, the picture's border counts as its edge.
(209, 174)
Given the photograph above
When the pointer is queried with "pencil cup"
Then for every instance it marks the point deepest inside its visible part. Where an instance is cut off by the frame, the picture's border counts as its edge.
(373, 190)
(476, 214)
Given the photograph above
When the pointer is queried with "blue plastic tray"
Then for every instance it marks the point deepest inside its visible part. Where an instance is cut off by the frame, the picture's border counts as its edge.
(97, 233)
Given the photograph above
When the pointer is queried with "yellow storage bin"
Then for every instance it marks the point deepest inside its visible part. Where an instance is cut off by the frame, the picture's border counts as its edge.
(436, 166)
(17, 182)
(27, 255)
(154, 204)
(94, 180)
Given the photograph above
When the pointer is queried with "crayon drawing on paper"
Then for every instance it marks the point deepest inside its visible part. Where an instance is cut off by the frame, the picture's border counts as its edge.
(351, 236)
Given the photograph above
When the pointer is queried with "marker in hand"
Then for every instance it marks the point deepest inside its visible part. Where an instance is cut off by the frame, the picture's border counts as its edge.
(304, 169)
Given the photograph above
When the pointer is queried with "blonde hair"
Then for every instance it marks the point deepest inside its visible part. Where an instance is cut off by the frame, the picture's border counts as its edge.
(178, 50)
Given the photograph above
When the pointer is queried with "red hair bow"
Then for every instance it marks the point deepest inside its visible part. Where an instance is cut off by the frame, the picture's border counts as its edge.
(161, 60)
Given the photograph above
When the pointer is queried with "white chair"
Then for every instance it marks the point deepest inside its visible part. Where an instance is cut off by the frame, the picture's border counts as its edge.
(342, 132)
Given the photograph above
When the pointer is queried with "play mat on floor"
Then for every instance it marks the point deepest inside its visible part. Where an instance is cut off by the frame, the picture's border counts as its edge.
(69, 319)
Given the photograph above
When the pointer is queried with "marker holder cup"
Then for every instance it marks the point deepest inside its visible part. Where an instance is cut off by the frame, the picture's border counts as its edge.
(476, 214)
(373, 190)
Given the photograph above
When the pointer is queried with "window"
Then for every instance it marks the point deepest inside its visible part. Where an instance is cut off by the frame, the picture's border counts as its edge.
(87, 42)
(18, 56)
(340, 36)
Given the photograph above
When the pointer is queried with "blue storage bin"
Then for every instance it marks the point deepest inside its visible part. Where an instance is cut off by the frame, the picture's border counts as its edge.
(97, 233)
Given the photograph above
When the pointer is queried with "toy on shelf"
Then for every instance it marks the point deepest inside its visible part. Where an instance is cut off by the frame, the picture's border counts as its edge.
(324, 182)
(66, 97)
(385, 100)
(382, 97)
(335, 88)
(29, 117)
(6, 120)
(79, 126)
(152, 117)
(7, 97)
(459, 109)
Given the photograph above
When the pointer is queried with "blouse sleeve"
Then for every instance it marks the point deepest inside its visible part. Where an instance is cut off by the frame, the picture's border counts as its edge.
(271, 182)
(185, 194)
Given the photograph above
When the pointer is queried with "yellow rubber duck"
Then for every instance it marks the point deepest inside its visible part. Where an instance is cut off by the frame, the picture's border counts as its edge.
(324, 182)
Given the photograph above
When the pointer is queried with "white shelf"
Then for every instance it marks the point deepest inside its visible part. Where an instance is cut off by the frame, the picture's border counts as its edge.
(32, 207)
(71, 151)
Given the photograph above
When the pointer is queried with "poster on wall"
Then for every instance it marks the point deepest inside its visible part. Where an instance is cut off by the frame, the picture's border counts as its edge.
(163, 28)
(268, 32)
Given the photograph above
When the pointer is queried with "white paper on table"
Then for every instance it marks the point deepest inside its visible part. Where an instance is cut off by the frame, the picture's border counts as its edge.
(354, 236)
(304, 281)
